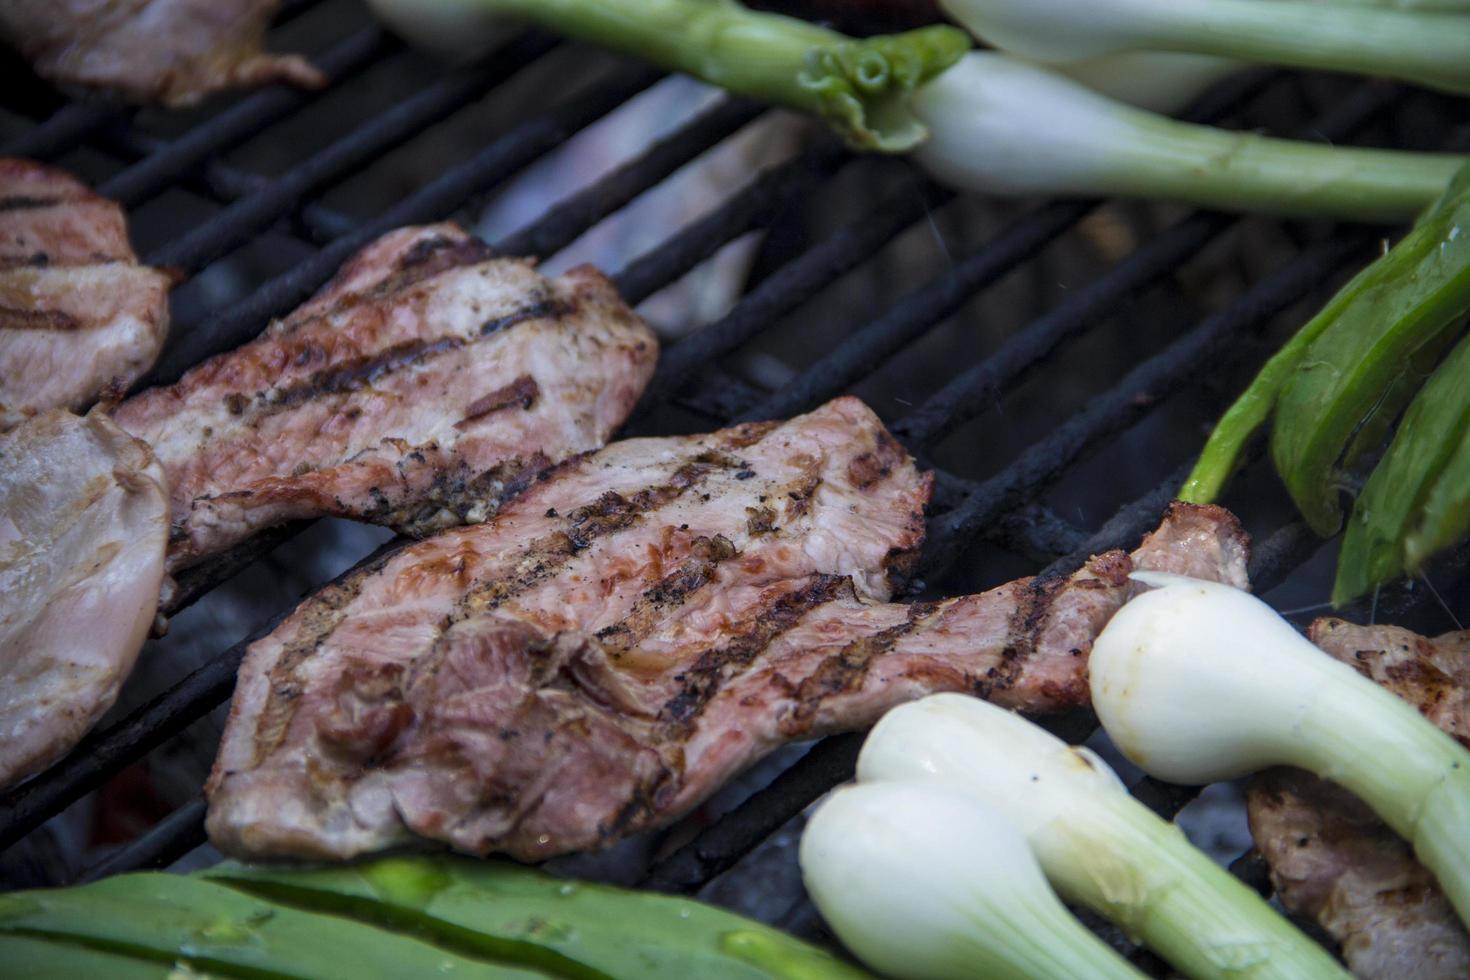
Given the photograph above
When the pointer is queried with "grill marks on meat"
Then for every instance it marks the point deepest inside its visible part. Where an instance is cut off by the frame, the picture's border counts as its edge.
(1332, 859)
(170, 51)
(618, 641)
(78, 315)
(425, 384)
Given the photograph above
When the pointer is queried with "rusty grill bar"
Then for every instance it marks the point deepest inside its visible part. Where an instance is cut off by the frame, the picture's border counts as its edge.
(1001, 508)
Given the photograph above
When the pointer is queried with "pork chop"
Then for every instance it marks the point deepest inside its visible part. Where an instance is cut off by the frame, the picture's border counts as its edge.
(1332, 859)
(83, 525)
(170, 51)
(426, 383)
(78, 314)
(643, 623)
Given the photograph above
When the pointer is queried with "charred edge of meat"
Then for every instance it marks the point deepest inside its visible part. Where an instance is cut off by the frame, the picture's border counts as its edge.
(703, 680)
(523, 391)
(749, 433)
(875, 465)
(456, 498)
(668, 593)
(844, 670)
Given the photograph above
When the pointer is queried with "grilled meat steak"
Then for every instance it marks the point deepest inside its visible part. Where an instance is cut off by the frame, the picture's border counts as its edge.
(78, 314)
(425, 383)
(1332, 859)
(170, 51)
(644, 622)
(83, 525)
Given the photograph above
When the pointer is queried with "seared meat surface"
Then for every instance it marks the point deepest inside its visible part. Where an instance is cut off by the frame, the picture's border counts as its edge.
(640, 625)
(83, 525)
(170, 51)
(78, 314)
(1332, 859)
(425, 383)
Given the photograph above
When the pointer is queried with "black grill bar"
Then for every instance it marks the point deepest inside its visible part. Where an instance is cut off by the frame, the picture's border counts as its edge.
(427, 106)
(434, 200)
(716, 850)
(911, 317)
(63, 130)
(759, 309)
(975, 389)
(1133, 396)
(174, 836)
(222, 183)
(564, 222)
(980, 386)
(774, 190)
(146, 178)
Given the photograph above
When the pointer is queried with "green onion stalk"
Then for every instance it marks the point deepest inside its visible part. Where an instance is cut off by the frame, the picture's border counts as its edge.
(857, 85)
(978, 121)
(1430, 48)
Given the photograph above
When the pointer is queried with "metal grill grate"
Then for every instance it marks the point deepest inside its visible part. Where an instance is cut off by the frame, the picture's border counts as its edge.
(1000, 511)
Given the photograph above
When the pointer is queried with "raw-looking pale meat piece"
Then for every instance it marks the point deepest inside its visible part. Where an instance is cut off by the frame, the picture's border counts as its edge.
(1332, 859)
(428, 382)
(83, 527)
(642, 624)
(78, 315)
(170, 51)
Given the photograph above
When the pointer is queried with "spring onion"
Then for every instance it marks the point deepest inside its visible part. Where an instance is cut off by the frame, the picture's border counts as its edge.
(927, 882)
(1196, 681)
(1097, 845)
(1157, 81)
(994, 124)
(857, 86)
(1002, 126)
(1429, 48)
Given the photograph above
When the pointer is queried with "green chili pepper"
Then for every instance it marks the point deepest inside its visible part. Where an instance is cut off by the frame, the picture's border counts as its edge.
(1334, 388)
(1408, 300)
(1418, 499)
(392, 917)
(494, 905)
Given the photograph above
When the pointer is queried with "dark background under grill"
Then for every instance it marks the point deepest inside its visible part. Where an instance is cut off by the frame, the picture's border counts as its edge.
(1058, 363)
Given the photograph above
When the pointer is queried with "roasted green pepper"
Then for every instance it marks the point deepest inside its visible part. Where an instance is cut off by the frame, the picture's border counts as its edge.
(391, 917)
